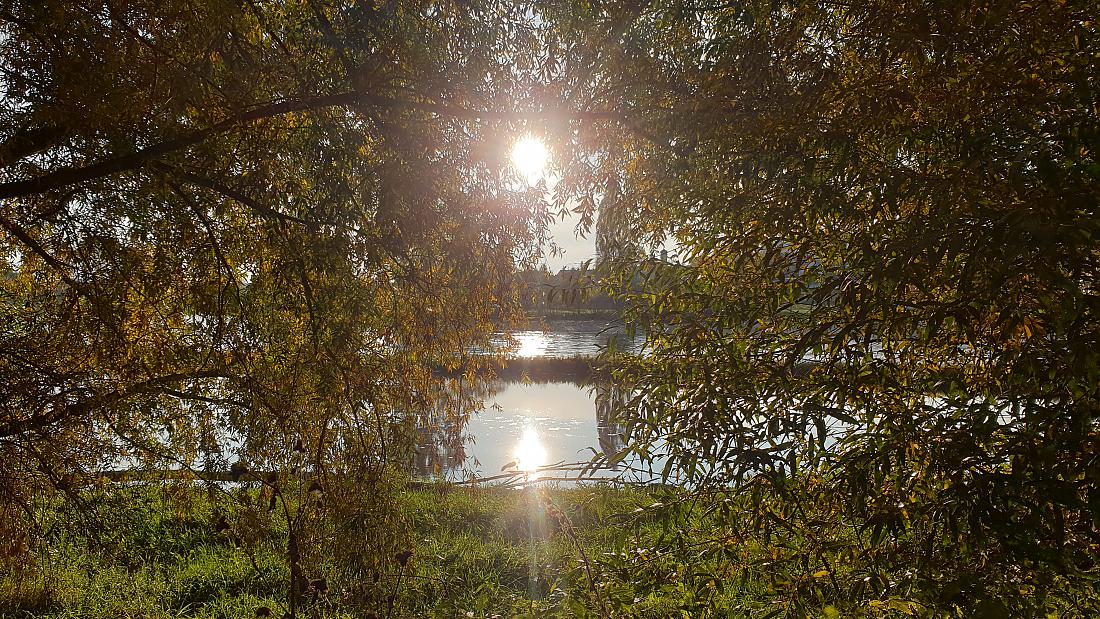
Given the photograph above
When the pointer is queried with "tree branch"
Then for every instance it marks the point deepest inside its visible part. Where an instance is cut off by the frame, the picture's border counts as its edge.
(61, 412)
(187, 395)
(139, 158)
(20, 233)
(229, 192)
(28, 141)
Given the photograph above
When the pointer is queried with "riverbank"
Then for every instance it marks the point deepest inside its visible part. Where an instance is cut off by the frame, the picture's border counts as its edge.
(575, 314)
(158, 553)
(444, 551)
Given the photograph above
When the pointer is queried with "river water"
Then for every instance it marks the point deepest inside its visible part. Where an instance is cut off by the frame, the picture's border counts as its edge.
(570, 338)
(564, 415)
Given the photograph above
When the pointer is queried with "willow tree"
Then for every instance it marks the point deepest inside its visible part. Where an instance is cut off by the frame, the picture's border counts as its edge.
(883, 327)
(237, 231)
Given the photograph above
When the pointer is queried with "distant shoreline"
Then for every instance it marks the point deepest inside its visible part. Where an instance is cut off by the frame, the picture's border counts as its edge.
(573, 314)
(580, 370)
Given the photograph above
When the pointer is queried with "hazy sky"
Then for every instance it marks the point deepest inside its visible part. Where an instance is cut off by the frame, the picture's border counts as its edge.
(530, 158)
(577, 250)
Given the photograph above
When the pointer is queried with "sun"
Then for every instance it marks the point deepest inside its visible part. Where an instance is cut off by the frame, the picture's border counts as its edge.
(530, 157)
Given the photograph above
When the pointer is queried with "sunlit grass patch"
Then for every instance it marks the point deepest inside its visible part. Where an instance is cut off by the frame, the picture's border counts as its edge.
(161, 554)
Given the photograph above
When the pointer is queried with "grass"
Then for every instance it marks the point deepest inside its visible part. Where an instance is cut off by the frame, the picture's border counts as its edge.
(142, 551)
(138, 552)
(157, 551)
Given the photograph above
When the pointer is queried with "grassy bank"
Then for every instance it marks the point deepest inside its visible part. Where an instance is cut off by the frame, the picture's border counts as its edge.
(145, 552)
(599, 551)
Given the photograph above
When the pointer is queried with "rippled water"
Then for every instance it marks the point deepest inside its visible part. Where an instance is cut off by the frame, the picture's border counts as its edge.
(570, 338)
(564, 416)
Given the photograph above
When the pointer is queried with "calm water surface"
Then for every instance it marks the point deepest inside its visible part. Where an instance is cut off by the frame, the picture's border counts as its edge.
(565, 415)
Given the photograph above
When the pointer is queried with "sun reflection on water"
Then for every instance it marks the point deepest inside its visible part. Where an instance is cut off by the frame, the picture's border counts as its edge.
(531, 344)
(530, 453)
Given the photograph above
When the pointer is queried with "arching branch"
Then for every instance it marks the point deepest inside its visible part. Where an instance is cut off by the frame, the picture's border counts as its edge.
(27, 141)
(139, 158)
(231, 193)
(60, 412)
(25, 237)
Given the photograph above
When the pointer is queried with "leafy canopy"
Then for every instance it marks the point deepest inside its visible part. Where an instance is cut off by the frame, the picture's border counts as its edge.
(883, 326)
(249, 231)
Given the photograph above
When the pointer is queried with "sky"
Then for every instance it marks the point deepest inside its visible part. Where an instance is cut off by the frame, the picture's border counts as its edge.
(577, 250)
(530, 158)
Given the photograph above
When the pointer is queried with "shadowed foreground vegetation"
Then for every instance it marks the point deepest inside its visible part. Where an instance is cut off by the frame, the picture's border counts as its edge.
(601, 551)
(174, 552)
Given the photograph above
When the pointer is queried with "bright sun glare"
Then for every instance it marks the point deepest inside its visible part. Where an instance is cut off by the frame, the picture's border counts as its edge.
(530, 454)
(531, 344)
(529, 155)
